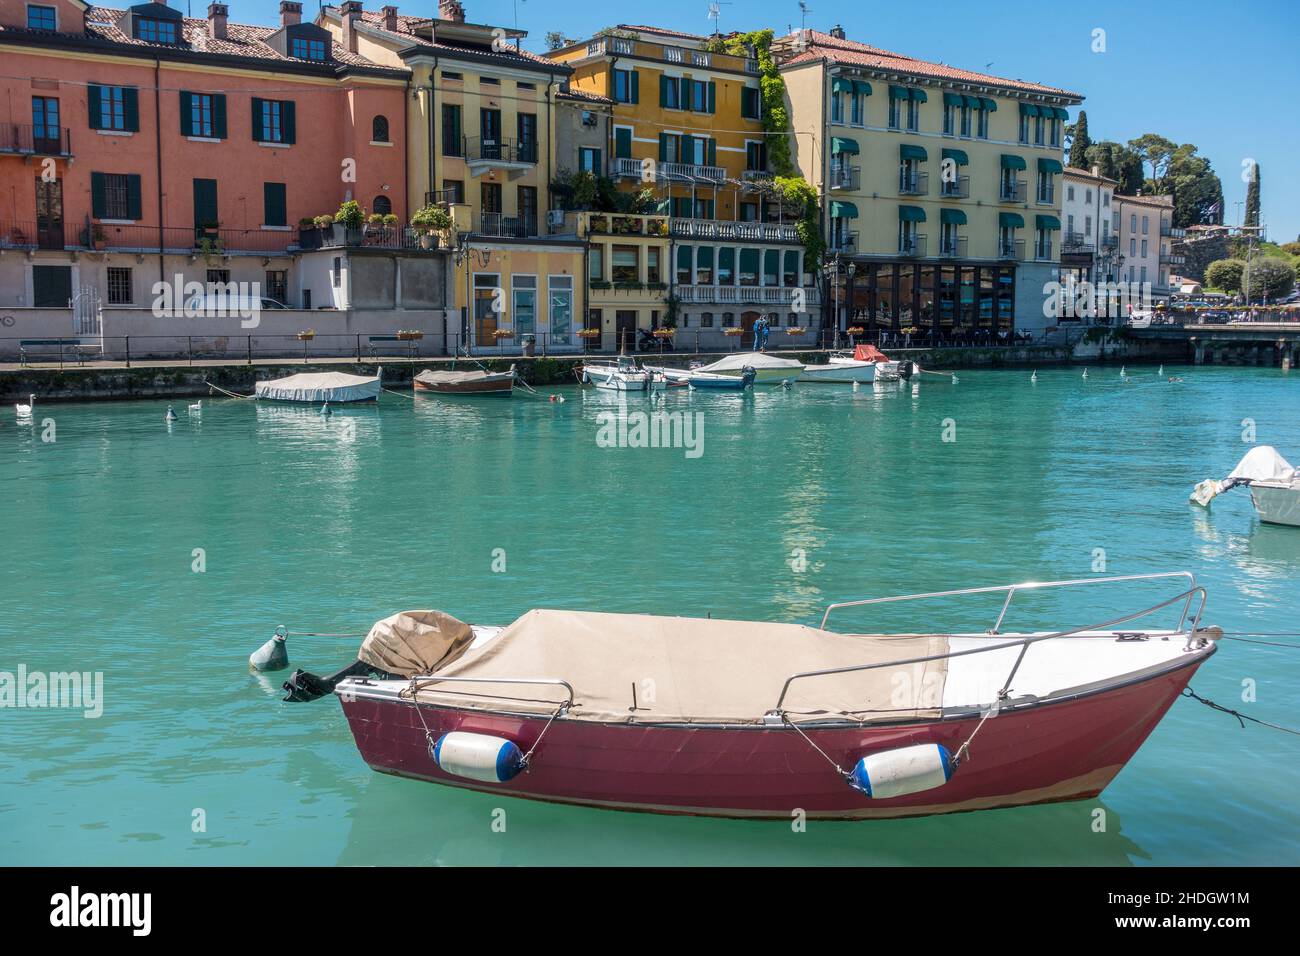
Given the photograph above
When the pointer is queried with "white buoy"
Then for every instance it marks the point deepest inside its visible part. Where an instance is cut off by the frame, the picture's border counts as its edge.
(171, 414)
(855, 385)
(325, 409)
(1123, 371)
(1085, 373)
(1034, 377)
(1160, 371)
(273, 655)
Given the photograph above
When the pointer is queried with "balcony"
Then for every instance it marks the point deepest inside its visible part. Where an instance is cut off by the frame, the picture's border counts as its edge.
(953, 247)
(758, 175)
(1076, 243)
(845, 243)
(688, 172)
(844, 177)
(1043, 251)
(1013, 191)
(913, 247)
(1172, 232)
(913, 184)
(1109, 243)
(441, 197)
(744, 294)
(178, 240)
(958, 188)
(1046, 197)
(1011, 249)
(19, 140)
(497, 225)
(616, 224)
(502, 153)
(1168, 259)
(734, 231)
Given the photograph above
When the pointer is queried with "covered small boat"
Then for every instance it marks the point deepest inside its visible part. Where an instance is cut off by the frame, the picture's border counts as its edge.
(1273, 481)
(623, 375)
(756, 719)
(478, 381)
(866, 363)
(715, 381)
(320, 387)
(768, 369)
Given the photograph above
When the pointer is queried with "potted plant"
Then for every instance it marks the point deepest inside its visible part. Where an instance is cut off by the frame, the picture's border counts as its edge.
(794, 330)
(208, 230)
(733, 331)
(349, 222)
(306, 335)
(429, 221)
(664, 333)
(409, 335)
(503, 334)
(97, 237)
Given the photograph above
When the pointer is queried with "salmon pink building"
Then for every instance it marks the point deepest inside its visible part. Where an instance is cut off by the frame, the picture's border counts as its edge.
(137, 144)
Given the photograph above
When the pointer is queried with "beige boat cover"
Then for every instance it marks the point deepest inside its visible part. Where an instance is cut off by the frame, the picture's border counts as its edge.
(451, 377)
(693, 670)
(415, 642)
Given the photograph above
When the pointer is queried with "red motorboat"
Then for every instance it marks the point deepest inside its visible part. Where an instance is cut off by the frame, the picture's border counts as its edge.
(755, 719)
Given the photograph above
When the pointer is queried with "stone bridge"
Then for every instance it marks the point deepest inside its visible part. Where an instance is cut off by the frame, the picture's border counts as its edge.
(1242, 343)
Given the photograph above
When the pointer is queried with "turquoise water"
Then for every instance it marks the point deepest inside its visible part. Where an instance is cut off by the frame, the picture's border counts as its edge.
(329, 524)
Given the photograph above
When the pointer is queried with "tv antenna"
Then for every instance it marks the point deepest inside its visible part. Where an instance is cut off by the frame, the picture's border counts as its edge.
(803, 14)
(715, 13)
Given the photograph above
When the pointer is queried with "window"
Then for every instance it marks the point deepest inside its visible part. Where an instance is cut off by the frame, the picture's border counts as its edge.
(704, 265)
(155, 31)
(489, 81)
(670, 92)
(1087, 196)
(596, 264)
(755, 156)
(982, 124)
(119, 286)
(524, 295)
(626, 86)
(706, 320)
(274, 205)
(1133, 222)
(728, 320)
(589, 160)
(336, 272)
(750, 103)
(1144, 248)
(454, 189)
(221, 277)
(1024, 128)
(858, 111)
(115, 196)
(701, 100)
(114, 108)
(749, 266)
(1105, 199)
(652, 264)
(837, 107)
(41, 18)
(897, 106)
(273, 121)
(451, 127)
(1146, 222)
(1069, 193)
(560, 290)
(448, 75)
(965, 120)
(624, 264)
(525, 86)
(47, 135)
(382, 205)
(203, 115)
(790, 273)
(685, 263)
(303, 48)
(526, 126)
(379, 130)
(277, 285)
(1054, 129)
(726, 266)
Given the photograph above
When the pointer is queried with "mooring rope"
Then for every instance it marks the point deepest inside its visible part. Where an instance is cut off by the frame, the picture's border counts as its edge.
(317, 634)
(1241, 718)
(398, 394)
(231, 394)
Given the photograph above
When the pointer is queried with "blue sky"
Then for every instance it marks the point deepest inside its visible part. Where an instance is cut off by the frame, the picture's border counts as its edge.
(1222, 75)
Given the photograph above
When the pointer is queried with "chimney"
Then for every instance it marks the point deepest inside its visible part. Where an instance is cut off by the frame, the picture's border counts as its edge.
(390, 18)
(452, 10)
(217, 14)
(290, 13)
(351, 12)
(837, 32)
(1096, 171)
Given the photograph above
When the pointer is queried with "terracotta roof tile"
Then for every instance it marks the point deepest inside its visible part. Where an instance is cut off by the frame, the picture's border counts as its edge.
(405, 33)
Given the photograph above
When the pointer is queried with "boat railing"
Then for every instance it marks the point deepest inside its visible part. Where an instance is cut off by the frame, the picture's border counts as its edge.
(421, 683)
(1184, 597)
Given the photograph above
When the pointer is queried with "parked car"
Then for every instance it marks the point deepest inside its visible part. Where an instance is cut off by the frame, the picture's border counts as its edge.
(211, 303)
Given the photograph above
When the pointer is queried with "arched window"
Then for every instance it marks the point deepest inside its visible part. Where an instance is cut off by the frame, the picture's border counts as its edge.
(379, 130)
(382, 205)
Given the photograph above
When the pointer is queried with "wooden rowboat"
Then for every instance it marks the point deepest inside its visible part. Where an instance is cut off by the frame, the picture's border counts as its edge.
(468, 382)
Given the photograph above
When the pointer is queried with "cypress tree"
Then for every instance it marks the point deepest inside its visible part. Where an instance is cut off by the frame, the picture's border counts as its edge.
(1080, 142)
(1252, 197)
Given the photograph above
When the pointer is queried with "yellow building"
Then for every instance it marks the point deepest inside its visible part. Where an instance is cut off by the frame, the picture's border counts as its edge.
(481, 140)
(686, 126)
(941, 186)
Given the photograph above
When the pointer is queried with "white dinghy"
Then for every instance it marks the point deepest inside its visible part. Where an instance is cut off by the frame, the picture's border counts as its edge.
(1274, 486)
(317, 387)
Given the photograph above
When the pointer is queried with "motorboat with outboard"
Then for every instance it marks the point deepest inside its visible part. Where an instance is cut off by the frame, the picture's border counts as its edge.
(864, 364)
(757, 719)
(768, 369)
(1273, 482)
(622, 375)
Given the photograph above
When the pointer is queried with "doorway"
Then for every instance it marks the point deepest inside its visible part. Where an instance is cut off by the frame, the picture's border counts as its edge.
(747, 320)
(49, 214)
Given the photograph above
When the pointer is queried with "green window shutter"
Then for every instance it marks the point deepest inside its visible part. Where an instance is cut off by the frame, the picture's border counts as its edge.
(288, 128)
(623, 143)
(636, 87)
(131, 109)
(772, 264)
(599, 166)
(219, 115)
(205, 202)
(97, 194)
(187, 105)
(792, 263)
(663, 91)
(93, 96)
(663, 147)
(704, 256)
(684, 93)
(713, 152)
(686, 149)
(727, 261)
(133, 208)
(257, 120)
(273, 204)
(749, 260)
(684, 258)
(713, 97)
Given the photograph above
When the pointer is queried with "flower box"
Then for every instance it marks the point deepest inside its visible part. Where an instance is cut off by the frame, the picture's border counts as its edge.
(503, 334)
(664, 333)
(855, 330)
(794, 331)
(409, 335)
(306, 335)
(589, 334)
(733, 332)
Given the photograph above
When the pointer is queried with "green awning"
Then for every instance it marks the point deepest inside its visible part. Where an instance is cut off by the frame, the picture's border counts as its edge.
(959, 155)
(952, 99)
(841, 85)
(918, 153)
(1027, 109)
(898, 92)
(862, 87)
(1010, 161)
(842, 144)
(1062, 114)
(1048, 222)
(843, 210)
(952, 217)
(988, 104)
(1049, 166)
(919, 96)
(1011, 220)
(911, 214)
(973, 102)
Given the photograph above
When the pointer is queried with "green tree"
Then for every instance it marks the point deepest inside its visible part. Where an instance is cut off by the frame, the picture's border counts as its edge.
(1154, 151)
(1079, 142)
(1119, 163)
(1198, 193)
(555, 40)
(1252, 197)
(1269, 276)
(1225, 274)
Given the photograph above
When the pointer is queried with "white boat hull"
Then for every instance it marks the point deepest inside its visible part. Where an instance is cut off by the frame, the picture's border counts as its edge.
(1277, 503)
(840, 372)
(616, 381)
(765, 376)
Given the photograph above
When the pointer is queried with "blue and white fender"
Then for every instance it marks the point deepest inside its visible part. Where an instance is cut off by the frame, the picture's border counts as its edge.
(478, 756)
(896, 773)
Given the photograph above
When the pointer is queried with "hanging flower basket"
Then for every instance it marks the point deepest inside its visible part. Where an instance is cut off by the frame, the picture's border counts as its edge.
(306, 335)
(503, 334)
